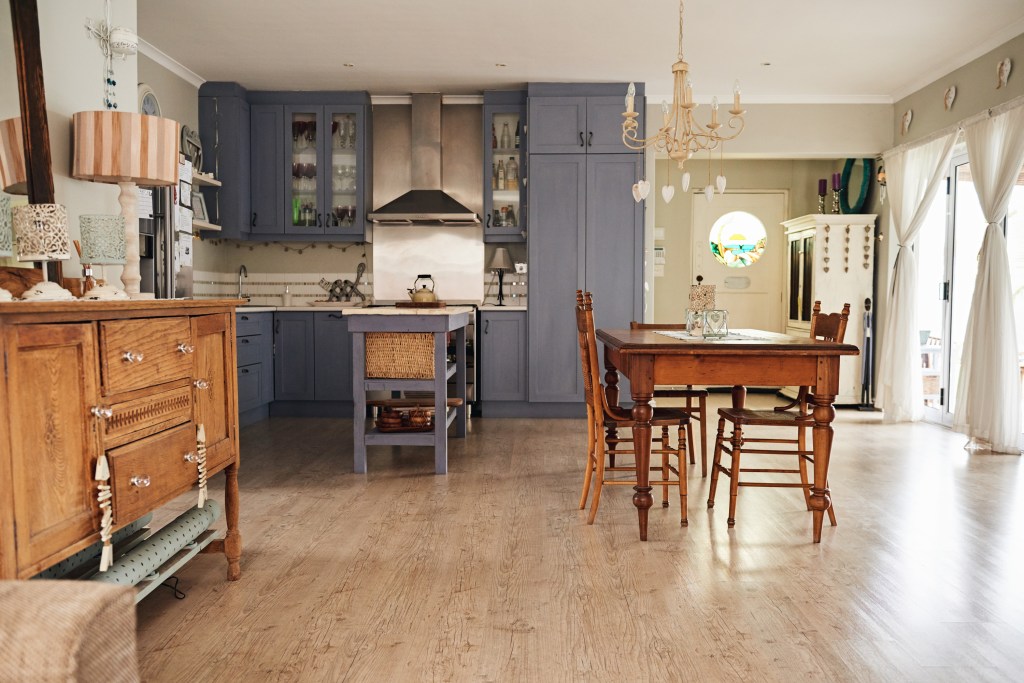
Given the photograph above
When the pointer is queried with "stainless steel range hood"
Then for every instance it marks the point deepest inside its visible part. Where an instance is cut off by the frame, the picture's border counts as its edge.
(425, 202)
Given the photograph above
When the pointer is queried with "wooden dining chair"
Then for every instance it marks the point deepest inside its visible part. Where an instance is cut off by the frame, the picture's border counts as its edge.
(601, 415)
(792, 416)
(696, 402)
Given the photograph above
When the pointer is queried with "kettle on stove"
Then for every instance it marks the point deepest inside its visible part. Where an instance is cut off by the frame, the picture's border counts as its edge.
(421, 294)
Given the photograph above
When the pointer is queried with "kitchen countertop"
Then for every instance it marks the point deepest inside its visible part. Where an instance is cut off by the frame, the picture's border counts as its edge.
(387, 310)
(351, 308)
(493, 307)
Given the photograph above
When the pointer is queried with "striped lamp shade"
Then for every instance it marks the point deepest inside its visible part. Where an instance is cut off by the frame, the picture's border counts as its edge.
(12, 157)
(119, 146)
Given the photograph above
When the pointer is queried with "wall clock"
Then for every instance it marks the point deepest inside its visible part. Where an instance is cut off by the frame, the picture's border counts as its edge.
(148, 103)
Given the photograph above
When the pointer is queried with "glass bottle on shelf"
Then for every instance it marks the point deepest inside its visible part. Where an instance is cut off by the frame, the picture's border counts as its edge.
(494, 138)
(501, 174)
(504, 217)
(517, 133)
(494, 176)
(511, 216)
(512, 174)
(506, 141)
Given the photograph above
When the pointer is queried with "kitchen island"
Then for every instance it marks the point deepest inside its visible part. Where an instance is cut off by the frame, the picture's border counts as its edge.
(386, 343)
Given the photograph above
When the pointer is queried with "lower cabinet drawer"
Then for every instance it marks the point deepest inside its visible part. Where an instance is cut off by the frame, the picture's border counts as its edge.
(250, 382)
(148, 473)
(249, 349)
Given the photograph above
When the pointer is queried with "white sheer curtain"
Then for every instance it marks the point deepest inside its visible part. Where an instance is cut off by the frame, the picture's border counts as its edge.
(913, 175)
(988, 401)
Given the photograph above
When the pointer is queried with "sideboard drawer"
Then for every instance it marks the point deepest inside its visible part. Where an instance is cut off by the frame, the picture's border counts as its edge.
(140, 353)
(145, 415)
(148, 473)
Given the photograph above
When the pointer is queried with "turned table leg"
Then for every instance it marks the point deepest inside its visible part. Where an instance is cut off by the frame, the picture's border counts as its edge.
(641, 382)
(824, 413)
(233, 539)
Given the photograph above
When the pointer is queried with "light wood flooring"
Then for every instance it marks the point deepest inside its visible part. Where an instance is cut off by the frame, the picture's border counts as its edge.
(491, 574)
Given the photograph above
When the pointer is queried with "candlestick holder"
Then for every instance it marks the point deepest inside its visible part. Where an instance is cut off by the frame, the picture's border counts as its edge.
(821, 203)
(835, 201)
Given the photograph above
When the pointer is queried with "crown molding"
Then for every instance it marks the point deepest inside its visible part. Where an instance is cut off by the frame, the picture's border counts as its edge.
(169, 63)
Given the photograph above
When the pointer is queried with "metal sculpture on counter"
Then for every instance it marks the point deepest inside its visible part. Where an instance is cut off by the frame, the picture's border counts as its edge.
(344, 290)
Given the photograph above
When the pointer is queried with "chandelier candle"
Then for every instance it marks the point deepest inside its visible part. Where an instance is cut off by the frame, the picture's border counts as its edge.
(822, 191)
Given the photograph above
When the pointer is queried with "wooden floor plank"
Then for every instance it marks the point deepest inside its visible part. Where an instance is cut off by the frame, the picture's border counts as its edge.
(491, 573)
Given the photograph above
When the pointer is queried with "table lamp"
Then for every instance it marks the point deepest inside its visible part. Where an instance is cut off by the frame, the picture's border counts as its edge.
(12, 157)
(126, 149)
(103, 243)
(500, 263)
(41, 234)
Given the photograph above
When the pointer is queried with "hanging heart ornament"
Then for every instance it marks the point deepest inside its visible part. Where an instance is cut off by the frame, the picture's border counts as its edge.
(720, 184)
(685, 182)
(641, 190)
(709, 192)
(667, 192)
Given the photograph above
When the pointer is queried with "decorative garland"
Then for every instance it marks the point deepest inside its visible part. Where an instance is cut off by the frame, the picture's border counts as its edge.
(201, 463)
(103, 498)
(844, 189)
(299, 249)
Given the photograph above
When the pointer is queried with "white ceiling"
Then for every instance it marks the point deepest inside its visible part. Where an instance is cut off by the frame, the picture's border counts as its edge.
(819, 50)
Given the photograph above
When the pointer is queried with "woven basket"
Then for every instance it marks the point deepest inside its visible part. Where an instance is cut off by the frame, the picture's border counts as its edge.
(400, 355)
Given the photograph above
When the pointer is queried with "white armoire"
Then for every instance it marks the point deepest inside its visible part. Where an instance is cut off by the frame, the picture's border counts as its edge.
(831, 258)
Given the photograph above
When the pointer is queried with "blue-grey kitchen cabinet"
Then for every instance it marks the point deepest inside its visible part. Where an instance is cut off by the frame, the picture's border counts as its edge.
(294, 372)
(332, 357)
(224, 132)
(501, 109)
(580, 124)
(586, 233)
(266, 169)
(502, 357)
(254, 343)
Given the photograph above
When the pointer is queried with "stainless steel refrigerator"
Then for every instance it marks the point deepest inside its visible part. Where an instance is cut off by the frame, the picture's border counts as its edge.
(165, 245)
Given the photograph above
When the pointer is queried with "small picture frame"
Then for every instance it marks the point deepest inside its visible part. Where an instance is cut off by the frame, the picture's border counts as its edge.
(185, 194)
(199, 207)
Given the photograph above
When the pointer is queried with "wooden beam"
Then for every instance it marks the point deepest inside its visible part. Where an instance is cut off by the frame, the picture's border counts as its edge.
(32, 94)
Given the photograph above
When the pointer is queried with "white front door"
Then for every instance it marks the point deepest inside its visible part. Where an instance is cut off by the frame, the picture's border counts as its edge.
(752, 294)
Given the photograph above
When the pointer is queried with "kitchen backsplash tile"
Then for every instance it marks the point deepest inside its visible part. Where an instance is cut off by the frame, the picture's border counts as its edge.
(268, 288)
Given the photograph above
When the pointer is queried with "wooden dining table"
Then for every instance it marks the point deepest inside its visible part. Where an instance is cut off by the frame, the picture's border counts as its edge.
(744, 358)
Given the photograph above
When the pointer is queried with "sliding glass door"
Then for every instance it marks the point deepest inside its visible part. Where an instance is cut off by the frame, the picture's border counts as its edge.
(947, 251)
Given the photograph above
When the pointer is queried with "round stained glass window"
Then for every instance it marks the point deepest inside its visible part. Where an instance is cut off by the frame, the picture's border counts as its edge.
(738, 239)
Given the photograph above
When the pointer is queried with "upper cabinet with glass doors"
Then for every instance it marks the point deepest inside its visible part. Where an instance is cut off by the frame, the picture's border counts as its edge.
(504, 166)
(327, 188)
(306, 158)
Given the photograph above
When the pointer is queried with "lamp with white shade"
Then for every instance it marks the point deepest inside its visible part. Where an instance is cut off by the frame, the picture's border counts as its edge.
(500, 263)
(127, 149)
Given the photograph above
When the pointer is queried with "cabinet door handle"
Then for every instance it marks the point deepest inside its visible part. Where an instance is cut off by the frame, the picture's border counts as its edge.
(253, 220)
(244, 371)
(133, 356)
(487, 327)
(590, 139)
(488, 221)
(140, 481)
(319, 220)
(277, 326)
(337, 316)
(243, 340)
(581, 138)
(190, 457)
(101, 412)
(201, 384)
(186, 348)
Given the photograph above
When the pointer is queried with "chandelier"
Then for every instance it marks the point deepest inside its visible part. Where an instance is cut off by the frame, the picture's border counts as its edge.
(681, 135)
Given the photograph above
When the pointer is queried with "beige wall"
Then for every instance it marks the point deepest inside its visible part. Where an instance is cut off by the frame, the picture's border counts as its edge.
(73, 76)
(975, 91)
(796, 177)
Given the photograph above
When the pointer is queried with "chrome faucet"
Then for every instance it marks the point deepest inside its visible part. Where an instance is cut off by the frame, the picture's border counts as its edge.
(242, 272)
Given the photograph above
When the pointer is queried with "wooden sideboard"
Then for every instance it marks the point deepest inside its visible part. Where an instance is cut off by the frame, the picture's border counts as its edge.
(131, 379)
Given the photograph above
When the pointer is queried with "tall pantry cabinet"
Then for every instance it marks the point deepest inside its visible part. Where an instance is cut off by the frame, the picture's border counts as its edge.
(586, 230)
